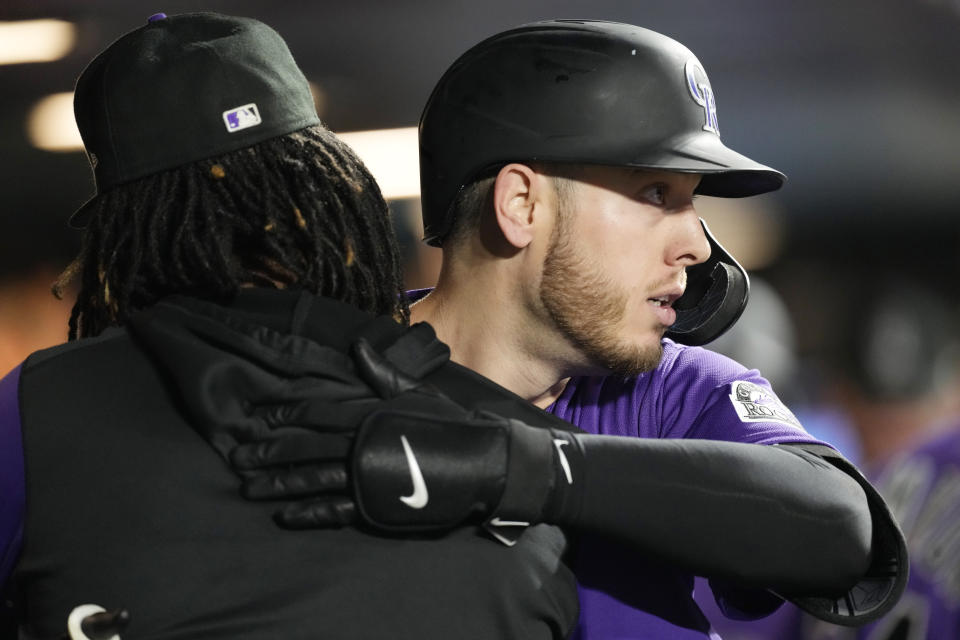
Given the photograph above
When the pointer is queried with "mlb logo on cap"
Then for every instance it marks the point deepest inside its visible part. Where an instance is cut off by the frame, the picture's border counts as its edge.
(241, 117)
(128, 104)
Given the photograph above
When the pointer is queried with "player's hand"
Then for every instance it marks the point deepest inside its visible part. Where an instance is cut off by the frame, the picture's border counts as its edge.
(417, 462)
(404, 471)
(304, 452)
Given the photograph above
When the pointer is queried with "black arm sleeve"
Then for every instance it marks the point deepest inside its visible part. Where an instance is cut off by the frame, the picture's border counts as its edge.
(880, 587)
(798, 520)
(775, 517)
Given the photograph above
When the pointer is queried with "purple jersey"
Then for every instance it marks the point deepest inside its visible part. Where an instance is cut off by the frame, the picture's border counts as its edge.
(693, 393)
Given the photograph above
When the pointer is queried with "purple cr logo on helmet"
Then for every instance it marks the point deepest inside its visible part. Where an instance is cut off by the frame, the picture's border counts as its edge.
(703, 95)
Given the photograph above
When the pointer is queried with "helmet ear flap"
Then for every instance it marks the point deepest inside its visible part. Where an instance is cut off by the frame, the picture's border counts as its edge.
(716, 295)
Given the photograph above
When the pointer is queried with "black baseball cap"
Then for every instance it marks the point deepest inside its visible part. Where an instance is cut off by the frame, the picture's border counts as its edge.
(183, 88)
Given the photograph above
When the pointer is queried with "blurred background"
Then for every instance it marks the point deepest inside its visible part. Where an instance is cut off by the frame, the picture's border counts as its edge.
(855, 262)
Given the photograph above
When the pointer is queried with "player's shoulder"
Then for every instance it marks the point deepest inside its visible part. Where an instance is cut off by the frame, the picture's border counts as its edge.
(697, 364)
(83, 347)
(680, 366)
(709, 395)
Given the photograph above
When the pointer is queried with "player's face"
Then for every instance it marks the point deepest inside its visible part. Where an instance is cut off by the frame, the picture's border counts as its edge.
(616, 263)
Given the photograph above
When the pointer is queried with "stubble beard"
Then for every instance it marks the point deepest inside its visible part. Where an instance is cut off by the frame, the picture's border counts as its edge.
(587, 308)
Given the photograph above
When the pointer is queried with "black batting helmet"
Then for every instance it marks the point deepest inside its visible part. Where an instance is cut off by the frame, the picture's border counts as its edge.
(575, 91)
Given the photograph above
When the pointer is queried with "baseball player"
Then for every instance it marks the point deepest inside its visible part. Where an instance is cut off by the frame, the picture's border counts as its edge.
(560, 161)
(559, 165)
(234, 251)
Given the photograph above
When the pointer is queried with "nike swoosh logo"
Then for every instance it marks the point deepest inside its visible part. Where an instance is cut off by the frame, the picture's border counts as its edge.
(563, 458)
(497, 522)
(417, 499)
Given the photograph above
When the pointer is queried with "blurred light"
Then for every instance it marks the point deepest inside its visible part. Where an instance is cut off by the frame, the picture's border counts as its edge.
(392, 156)
(764, 337)
(750, 229)
(319, 98)
(35, 40)
(50, 124)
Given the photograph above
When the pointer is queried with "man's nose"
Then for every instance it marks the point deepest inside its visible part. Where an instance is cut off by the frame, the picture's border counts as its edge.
(690, 245)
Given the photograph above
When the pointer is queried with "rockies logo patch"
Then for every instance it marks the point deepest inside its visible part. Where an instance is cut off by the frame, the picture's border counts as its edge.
(754, 403)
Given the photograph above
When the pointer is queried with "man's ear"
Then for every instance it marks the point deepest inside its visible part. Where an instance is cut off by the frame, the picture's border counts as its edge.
(516, 190)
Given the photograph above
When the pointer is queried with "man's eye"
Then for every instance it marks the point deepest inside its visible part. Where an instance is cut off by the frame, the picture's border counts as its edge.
(655, 194)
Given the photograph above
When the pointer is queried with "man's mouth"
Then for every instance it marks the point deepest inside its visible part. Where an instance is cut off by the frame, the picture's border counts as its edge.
(667, 298)
(662, 304)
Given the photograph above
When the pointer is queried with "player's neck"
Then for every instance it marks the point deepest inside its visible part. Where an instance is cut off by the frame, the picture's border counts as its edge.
(488, 332)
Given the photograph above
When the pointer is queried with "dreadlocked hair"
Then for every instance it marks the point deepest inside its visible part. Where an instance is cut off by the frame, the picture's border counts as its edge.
(297, 210)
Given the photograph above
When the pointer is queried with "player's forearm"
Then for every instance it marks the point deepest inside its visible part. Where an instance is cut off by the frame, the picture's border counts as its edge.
(767, 516)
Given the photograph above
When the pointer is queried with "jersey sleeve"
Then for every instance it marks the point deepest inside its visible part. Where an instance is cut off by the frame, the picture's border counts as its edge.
(12, 483)
(708, 396)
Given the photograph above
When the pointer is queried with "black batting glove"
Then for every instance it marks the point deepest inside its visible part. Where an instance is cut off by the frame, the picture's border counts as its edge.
(308, 455)
(418, 463)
